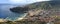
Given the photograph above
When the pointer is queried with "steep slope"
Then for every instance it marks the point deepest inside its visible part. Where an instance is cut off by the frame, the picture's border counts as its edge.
(39, 8)
(43, 9)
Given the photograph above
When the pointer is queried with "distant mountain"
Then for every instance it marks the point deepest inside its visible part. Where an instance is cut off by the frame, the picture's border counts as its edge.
(55, 0)
(44, 5)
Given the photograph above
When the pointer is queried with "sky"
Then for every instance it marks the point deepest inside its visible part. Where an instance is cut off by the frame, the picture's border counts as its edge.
(20, 1)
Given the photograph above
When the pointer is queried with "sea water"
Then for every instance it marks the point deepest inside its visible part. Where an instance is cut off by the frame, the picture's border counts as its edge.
(5, 13)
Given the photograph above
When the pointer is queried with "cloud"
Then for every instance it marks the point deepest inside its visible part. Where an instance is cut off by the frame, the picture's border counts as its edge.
(25, 1)
(21, 1)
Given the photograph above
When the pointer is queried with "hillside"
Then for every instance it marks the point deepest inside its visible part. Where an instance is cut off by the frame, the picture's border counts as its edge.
(38, 13)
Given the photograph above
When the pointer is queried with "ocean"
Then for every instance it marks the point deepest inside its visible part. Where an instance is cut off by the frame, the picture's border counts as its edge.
(5, 12)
